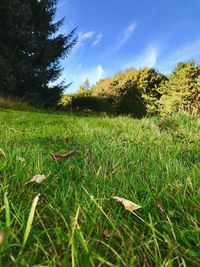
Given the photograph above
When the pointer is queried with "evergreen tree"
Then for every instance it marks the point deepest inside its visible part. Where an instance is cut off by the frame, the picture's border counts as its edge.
(31, 49)
(181, 92)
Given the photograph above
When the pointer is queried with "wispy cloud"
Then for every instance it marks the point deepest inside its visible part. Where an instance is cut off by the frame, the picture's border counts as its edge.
(78, 77)
(147, 58)
(98, 39)
(126, 35)
(183, 53)
(186, 52)
(83, 37)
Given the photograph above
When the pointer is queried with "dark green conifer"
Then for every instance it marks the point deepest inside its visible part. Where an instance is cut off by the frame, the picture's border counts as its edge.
(31, 49)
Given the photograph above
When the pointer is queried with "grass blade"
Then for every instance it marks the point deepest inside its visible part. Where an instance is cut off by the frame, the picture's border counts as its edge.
(7, 211)
(30, 220)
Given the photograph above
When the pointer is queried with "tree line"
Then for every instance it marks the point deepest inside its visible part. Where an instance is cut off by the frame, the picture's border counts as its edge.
(142, 92)
(31, 49)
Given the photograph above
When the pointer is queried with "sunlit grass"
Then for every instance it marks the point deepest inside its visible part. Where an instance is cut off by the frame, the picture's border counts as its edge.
(152, 162)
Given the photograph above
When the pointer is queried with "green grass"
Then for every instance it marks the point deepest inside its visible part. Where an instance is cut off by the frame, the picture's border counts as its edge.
(152, 162)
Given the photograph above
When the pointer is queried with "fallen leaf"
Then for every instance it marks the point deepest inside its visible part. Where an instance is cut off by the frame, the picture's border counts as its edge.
(160, 206)
(3, 235)
(2, 152)
(106, 233)
(128, 205)
(22, 160)
(38, 178)
(63, 156)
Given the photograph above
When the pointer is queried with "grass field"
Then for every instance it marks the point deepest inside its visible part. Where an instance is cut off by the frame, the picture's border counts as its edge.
(153, 162)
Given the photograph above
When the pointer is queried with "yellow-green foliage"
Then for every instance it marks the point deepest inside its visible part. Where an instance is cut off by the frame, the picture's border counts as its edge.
(148, 81)
(181, 92)
(65, 100)
(141, 92)
(84, 89)
(122, 89)
(117, 85)
(132, 89)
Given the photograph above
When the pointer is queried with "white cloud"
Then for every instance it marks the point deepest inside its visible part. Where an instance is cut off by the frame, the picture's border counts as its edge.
(186, 52)
(126, 35)
(98, 39)
(84, 37)
(148, 58)
(99, 73)
(92, 74)
(183, 53)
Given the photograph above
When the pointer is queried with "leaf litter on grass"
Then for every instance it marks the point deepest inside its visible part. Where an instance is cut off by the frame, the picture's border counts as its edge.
(63, 156)
(38, 178)
(128, 205)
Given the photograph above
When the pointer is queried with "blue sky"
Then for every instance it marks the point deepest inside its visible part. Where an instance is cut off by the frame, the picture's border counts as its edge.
(115, 35)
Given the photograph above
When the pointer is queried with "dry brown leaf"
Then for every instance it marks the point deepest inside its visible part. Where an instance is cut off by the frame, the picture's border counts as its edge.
(63, 156)
(128, 205)
(38, 178)
(3, 235)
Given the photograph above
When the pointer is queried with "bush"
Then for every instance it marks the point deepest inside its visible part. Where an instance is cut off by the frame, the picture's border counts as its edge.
(15, 104)
(93, 103)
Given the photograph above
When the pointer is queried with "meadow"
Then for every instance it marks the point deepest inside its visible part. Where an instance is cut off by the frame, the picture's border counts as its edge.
(153, 162)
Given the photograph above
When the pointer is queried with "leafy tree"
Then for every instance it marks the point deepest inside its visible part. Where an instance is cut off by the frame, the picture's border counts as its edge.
(149, 81)
(31, 49)
(122, 92)
(181, 91)
(84, 89)
(133, 91)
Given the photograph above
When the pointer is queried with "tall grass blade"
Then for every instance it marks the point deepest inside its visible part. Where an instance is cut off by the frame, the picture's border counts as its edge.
(7, 211)
(30, 220)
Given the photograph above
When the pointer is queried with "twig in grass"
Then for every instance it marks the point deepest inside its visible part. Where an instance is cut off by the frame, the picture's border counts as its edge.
(63, 156)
